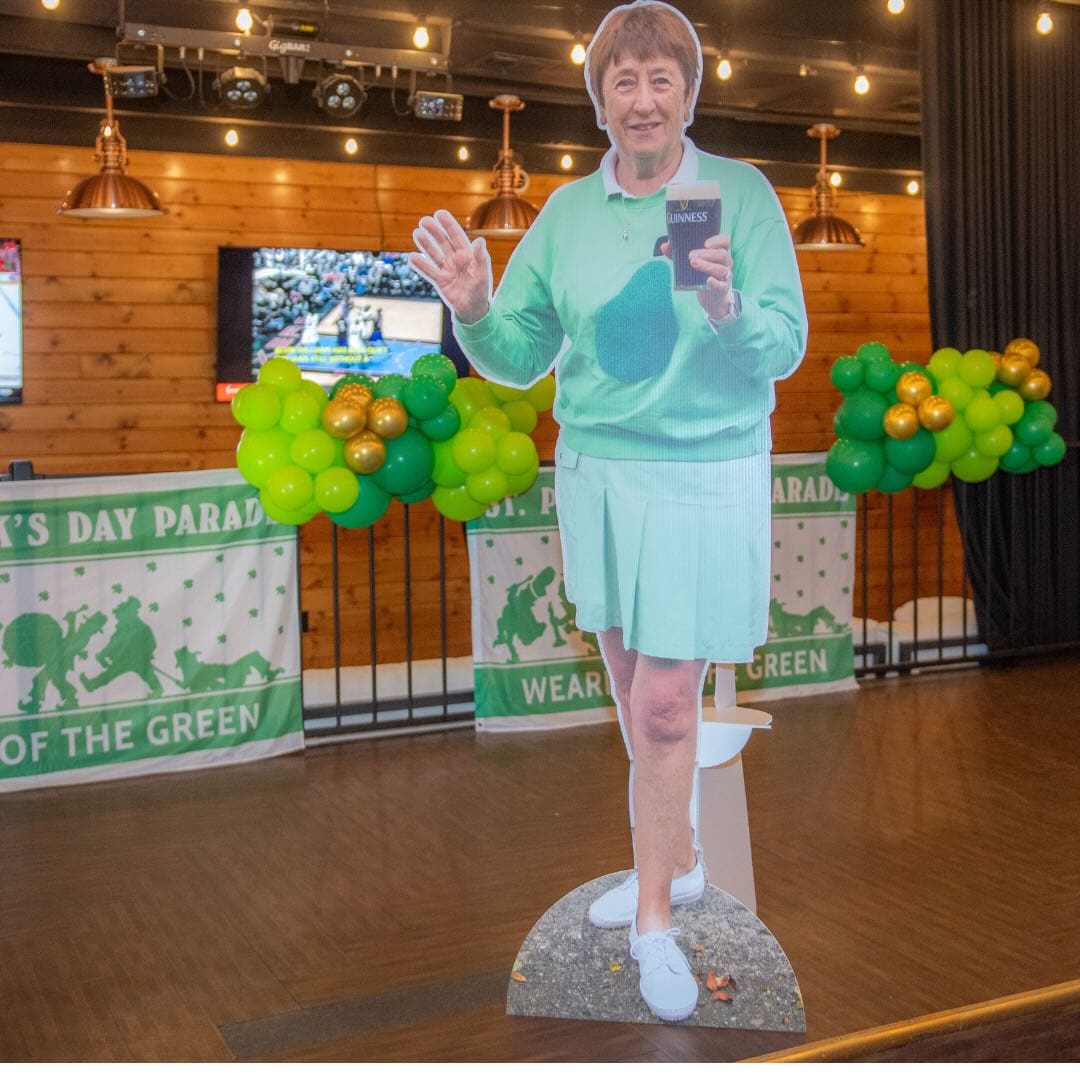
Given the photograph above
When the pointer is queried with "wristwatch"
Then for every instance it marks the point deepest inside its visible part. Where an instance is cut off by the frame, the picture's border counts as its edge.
(733, 312)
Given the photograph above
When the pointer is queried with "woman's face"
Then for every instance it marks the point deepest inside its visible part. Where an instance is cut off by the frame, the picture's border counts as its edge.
(645, 107)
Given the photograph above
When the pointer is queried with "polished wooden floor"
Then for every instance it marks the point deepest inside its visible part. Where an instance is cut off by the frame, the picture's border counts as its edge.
(916, 844)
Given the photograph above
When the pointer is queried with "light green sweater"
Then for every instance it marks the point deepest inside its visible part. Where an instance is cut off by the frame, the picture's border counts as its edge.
(641, 372)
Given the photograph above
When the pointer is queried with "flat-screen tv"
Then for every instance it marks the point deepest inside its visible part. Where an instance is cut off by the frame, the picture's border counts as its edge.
(330, 312)
(11, 329)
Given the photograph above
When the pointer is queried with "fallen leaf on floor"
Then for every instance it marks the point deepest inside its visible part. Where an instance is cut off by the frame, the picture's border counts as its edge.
(613, 966)
(517, 966)
(719, 995)
(710, 981)
(724, 980)
(517, 976)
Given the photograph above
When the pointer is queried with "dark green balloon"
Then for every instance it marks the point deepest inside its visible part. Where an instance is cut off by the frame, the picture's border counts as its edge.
(911, 455)
(424, 396)
(846, 374)
(854, 465)
(391, 386)
(408, 465)
(370, 505)
(1018, 459)
(444, 426)
(892, 480)
(872, 350)
(862, 413)
(419, 495)
(1051, 451)
(1042, 409)
(880, 374)
(1034, 427)
(438, 367)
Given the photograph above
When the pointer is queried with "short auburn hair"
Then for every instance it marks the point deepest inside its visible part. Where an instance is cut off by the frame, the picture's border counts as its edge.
(643, 30)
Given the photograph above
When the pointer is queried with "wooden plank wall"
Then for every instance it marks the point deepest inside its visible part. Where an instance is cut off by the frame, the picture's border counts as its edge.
(120, 342)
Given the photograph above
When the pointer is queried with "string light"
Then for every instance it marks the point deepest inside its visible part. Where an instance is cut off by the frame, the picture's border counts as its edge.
(913, 187)
(577, 53)
(835, 179)
(723, 68)
(351, 146)
(50, 5)
(421, 38)
(566, 161)
(463, 153)
(1044, 23)
(895, 6)
(862, 83)
(232, 138)
(244, 20)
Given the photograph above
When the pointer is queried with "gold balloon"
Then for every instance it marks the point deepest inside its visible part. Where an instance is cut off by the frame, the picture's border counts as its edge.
(1026, 348)
(1014, 368)
(355, 394)
(387, 417)
(364, 453)
(911, 388)
(1036, 386)
(343, 419)
(936, 413)
(901, 421)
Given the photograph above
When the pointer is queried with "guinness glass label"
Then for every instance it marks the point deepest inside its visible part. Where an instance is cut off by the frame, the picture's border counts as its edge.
(693, 215)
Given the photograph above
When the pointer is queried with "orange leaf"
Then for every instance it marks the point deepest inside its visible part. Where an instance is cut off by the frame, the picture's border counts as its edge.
(724, 980)
(517, 976)
(710, 981)
(719, 995)
(613, 966)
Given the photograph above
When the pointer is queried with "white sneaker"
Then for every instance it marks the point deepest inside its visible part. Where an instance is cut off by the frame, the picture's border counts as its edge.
(618, 906)
(667, 984)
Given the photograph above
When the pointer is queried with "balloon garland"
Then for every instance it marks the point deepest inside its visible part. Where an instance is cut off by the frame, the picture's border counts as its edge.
(465, 443)
(964, 415)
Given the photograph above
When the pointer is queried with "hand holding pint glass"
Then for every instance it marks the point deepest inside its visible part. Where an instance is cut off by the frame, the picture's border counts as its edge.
(701, 257)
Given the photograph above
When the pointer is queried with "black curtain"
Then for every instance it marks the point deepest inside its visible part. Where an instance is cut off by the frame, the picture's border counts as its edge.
(1001, 160)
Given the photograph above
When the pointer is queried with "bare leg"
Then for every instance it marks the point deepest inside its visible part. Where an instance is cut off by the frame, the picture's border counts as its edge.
(664, 699)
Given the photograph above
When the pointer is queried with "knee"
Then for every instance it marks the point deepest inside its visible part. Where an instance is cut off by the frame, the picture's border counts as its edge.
(665, 721)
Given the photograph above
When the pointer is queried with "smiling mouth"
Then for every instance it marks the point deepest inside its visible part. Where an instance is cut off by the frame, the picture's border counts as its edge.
(644, 128)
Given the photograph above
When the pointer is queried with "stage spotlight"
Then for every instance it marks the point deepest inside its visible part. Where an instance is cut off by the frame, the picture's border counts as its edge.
(340, 95)
(429, 105)
(242, 88)
(133, 80)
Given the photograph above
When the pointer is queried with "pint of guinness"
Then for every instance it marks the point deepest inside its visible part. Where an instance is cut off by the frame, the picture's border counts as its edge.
(693, 215)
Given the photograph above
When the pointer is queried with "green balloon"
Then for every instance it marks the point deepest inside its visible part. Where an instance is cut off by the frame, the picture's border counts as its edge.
(995, 442)
(408, 465)
(313, 450)
(290, 487)
(336, 489)
(419, 495)
(256, 407)
(1051, 451)
(310, 386)
(952, 441)
(977, 367)
(983, 412)
(872, 350)
(934, 475)
(282, 516)
(444, 471)
(519, 483)
(259, 453)
(541, 395)
(487, 486)
(1034, 427)
(862, 413)
(444, 426)
(522, 416)
(475, 390)
(1042, 409)
(1018, 459)
(438, 367)
(353, 380)
(280, 374)
(973, 467)
(371, 503)
(516, 453)
(300, 411)
(944, 364)
(880, 374)
(846, 374)
(912, 455)
(473, 450)
(391, 386)
(855, 466)
(1010, 403)
(955, 390)
(492, 420)
(456, 503)
(424, 397)
(893, 480)
(503, 394)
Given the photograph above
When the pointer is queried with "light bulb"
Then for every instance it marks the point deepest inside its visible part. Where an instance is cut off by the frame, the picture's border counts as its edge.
(351, 146)
(421, 38)
(723, 69)
(913, 187)
(566, 161)
(50, 5)
(1044, 23)
(835, 179)
(231, 137)
(862, 84)
(463, 153)
(244, 21)
(895, 6)
(577, 53)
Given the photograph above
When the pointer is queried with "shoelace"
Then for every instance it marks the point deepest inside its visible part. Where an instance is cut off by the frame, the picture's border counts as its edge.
(654, 950)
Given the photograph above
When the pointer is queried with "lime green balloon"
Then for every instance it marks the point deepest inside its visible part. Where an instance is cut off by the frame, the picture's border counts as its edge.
(506, 393)
(1034, 427)
(982, 413)
(944, 364)
(1010, 404)
(934, 475)
(880, 374)
(955, 390)
(391, 386)
(519, 483)
(300, 412)
(276, 512)
(953, 441)
(973, 467)
(522, 416)
(855, 465)
(995, 442)
(408, 465)
(310, 386)
(846, 374)
(353, 380)
(313, 450)
(256, 407)
(259, 453)
(290, 486)
(424, 397)
(976, 367)
(478, 391)
(444, 471)
(492, 420)
(516, 453)
(912, 455)
(444, 426)
(371, 503)
(473, 450)
(893, 480)
(487, 486)
(1018, 459)
(456, 503)
(862, 413)
(419, 495)
(280, 374)
(872, 350)
(1051, 451)
(336, 489)
(541, 395)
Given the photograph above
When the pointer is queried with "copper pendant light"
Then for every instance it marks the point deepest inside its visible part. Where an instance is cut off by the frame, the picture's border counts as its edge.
(507, 214)
(111, 193)
(826, 230)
